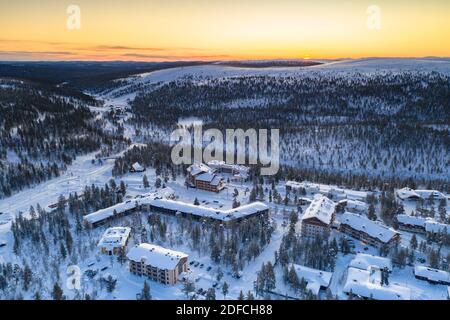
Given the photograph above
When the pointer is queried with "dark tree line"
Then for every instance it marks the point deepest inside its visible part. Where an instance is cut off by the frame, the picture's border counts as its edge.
(155, 155)
(234, 245)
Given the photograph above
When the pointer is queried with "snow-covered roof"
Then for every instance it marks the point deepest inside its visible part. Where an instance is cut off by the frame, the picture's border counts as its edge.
(327, 190)
(314, 277)
(367, 283)
(432, 274)
(411, 220)
(408, 193)
(223, 164)
(429, 224)
(157, 201)
(114, 237)
(356, 195)
(354, 205)
(137, 166)
(372, 228)
(321, 208)
(198, 168)
(207, 177)
(436, 227)
(212, 178)
(293, 184)
(365, 261)
(207, 212)
(302, 185)
(106, 213)
(164, 193)
(425, 194)
(156, 256)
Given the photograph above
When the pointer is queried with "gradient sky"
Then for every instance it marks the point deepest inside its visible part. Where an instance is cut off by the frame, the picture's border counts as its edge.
(222, 29)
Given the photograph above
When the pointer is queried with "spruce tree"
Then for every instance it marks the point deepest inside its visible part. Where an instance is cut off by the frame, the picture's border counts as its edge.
(145, 293)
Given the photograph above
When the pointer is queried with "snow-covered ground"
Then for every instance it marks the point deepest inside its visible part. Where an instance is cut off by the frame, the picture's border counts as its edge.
(83, 172)
(350, 66)
(128, 285)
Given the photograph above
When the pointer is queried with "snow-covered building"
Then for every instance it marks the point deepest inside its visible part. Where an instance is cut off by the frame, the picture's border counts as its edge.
(407, 194)
(114, 240)
(173, 207)
(209, 182)
(354, 206)
(432, 226)
(122, 209)
(432, 275)
(411, 223)
(431, 194)
(223, 167)
(421, 225)
(137, 167)
(157, 203)
(367, 284)
(164, 193)
(302, 186)
(119, 210)
(198, 168)
(157, 263)
(195, 170)
(318, 217)
(411, 194)
(331, 192)
(368, 231)
(365, 261)
(316, 279)
(203, 177)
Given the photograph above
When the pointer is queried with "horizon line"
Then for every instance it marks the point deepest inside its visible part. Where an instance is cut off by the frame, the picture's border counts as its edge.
(226, 60)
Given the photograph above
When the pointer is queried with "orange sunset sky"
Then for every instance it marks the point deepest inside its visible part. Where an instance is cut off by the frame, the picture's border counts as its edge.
(217, 30)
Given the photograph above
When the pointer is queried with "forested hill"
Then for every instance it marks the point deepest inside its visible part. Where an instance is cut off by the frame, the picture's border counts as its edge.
(42, 129)
(81, 75)
(378, 123)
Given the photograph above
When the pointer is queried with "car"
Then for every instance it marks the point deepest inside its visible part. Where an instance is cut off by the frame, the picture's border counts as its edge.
(366, 248)
(104, 268)
(421, 260)
(202, 265)
(209, 268)
(215, 284)
(90, 263)
(2, 244)
(196, 264)
(191, 263)
(1, 213)
(200, 291)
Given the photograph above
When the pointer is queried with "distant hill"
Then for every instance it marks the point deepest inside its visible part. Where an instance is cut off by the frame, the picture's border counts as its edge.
(80, 74)
(269, 63)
